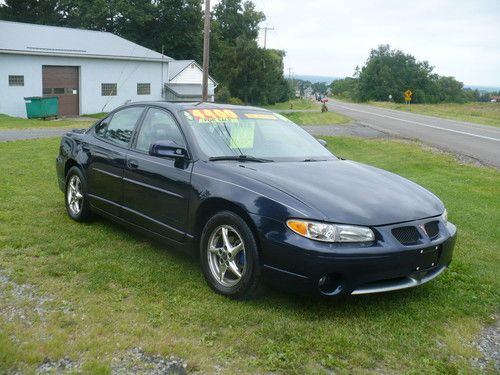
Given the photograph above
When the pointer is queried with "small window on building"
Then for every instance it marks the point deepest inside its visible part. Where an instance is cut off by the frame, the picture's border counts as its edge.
(16, 80)
(108, 89)
(143, 89)
(59, 90)
(47, 91)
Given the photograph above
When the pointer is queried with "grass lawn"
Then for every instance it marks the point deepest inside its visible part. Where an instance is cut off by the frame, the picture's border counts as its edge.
(99, 290)
(481, 113)
(97, 116)
(316, 118)
(13, 123)
(297, 104)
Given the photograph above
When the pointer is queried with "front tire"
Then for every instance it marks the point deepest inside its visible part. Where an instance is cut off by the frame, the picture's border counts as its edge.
(76, 199)
(229, 256)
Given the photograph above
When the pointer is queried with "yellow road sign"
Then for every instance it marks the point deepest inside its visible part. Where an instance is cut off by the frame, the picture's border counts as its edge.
(408, 95)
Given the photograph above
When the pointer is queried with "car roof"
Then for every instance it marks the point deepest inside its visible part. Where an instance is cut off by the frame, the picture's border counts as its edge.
(198, 105)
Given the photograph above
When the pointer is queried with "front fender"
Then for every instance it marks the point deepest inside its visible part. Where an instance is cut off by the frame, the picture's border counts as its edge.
(254, 197)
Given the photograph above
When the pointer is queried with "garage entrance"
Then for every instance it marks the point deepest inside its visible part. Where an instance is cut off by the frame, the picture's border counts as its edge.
(62, 81)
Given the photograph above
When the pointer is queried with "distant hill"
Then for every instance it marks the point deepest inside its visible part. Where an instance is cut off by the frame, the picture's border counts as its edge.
(483, 88)
(314, 79)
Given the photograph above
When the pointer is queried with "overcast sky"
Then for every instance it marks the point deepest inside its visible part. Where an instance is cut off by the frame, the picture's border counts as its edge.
(330, 37)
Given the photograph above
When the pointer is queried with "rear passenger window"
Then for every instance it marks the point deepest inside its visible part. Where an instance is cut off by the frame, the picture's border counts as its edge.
(119, 127)
(158, 125)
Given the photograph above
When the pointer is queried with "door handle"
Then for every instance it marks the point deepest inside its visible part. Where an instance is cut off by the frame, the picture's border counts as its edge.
(132, 164)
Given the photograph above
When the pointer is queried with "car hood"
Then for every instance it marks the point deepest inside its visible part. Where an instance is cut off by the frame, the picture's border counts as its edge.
(348, 192)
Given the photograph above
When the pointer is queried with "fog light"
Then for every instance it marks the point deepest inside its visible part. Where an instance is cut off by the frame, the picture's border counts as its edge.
(322, 281)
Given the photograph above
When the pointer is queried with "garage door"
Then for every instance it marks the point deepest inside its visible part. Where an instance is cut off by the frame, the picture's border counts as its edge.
(62, 81)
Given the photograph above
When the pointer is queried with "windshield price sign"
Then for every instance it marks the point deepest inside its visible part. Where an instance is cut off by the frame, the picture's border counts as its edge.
(214, 115)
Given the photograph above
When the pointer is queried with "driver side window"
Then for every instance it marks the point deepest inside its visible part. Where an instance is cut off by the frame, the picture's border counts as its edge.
(118, 128)
(158, 125)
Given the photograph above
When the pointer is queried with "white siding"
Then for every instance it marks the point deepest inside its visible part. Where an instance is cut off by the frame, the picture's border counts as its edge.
(93, 72)
(191, 74)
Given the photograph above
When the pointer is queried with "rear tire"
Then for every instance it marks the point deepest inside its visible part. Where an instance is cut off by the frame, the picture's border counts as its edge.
(75, 196)
(229, 256)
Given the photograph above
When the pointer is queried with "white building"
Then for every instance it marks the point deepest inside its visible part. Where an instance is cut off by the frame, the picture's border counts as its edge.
(90, 71)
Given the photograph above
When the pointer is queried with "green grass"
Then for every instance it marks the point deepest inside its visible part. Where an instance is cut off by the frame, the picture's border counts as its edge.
(98, 115)
(12, 123)
(113, 290)
(296, 104)
(481, 113)
(316, 118)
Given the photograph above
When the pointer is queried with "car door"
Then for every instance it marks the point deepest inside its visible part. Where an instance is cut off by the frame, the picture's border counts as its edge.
(107, 155)
(156, 189)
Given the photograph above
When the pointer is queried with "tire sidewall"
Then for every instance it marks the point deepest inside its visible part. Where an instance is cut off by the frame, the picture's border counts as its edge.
(250, 279)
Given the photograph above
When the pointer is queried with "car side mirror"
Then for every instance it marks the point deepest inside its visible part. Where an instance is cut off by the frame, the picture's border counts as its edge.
(168, 149)
(323, 142)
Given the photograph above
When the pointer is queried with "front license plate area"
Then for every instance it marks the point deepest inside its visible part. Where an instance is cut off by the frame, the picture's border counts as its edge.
(427, 258)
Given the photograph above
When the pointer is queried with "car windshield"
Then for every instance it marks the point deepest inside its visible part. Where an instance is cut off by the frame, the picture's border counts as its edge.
(252, 135)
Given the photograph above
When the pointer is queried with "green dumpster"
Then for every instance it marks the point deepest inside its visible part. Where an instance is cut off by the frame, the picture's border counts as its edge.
(42, 106)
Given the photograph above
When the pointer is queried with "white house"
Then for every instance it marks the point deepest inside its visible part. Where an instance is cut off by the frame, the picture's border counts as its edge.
(89, 71)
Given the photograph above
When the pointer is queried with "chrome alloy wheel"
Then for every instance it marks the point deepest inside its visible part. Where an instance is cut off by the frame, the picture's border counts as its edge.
(74, 195)
(226, 255)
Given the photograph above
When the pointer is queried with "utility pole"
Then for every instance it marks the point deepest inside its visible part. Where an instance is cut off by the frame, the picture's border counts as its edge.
(206, 51)
(265, 33)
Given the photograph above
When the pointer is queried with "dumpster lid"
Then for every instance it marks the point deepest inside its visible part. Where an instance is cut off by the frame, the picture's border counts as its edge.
(39, 97)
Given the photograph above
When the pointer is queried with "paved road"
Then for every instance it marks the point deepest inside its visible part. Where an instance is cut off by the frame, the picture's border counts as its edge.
(480, 142)
(13, 135)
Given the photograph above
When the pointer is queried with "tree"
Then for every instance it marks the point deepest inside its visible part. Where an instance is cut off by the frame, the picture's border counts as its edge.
(345, 88)
(251, 74)
(237, 20)
(46, 12)
(391, 72)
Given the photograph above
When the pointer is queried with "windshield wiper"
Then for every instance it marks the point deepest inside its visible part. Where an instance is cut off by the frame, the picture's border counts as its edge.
(240, 158)
(308, 160)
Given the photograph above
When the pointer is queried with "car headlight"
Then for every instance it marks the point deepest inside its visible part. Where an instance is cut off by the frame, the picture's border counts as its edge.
(444, 216)
(330, 232)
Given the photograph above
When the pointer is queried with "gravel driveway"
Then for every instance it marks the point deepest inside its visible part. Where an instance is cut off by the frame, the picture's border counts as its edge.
(14, 135)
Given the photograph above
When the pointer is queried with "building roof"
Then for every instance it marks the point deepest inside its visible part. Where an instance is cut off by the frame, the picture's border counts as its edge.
(26, 38)
(177, 66)
(188, 90)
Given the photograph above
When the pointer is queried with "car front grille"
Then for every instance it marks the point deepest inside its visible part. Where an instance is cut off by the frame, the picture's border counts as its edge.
(432, 229)
(406, 235)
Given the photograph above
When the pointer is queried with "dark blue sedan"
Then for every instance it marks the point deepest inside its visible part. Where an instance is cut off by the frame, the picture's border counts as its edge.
(256, 198)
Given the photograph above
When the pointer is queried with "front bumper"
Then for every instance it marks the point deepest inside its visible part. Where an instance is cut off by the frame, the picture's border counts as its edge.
(294, 262)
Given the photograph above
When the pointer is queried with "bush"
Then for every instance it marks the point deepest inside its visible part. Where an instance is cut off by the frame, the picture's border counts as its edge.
(236, 101)
(222, 94)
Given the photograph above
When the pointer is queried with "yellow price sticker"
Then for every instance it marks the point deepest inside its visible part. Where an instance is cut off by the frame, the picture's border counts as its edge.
(262, 116)
(213, 115)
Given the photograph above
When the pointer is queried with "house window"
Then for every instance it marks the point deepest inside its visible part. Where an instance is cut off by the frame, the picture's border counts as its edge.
(16, 80)
(59, 90)
(47, 91)
(144, 89)
(108, 89)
